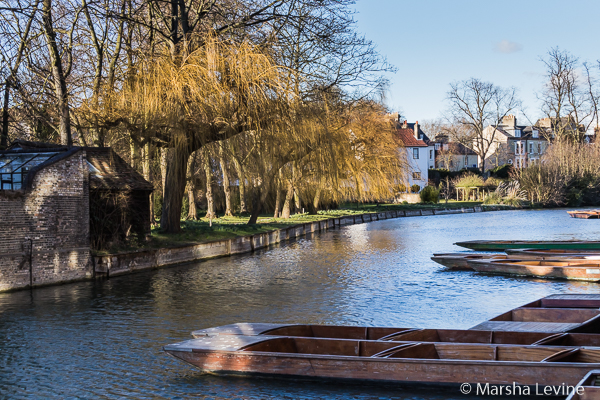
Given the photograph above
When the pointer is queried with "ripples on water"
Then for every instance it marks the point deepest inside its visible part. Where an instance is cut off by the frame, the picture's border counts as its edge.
(103, 339)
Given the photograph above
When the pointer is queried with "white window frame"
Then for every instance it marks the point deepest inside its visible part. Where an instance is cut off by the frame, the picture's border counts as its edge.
(415, 153)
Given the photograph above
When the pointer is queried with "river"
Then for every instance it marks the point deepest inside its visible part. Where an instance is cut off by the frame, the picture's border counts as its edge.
(103, 339)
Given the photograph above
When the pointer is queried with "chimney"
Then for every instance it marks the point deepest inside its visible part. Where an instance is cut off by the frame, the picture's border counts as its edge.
(509, 121)
(404, 125)
(416, 130)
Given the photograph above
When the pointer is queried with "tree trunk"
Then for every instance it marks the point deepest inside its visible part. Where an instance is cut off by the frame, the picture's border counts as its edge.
(277, 198)
(317, 200)
(242, 182)
(174, 189)
(191, 190)
(135, 154)
(210, 212)
(146, 173)
(60, 82)
(285, 212)
(165, 157)
(4, 133)
(226, 187)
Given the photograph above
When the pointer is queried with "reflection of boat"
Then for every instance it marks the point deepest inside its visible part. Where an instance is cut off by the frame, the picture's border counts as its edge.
(585, 214)
(548, 342)
(572, 268)
(493, 245)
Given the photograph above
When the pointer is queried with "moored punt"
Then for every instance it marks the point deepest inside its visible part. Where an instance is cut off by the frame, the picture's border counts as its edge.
(463, 261)
(585, 214)
(573, 269)
(553, 253)
(460, 261)
(500, 245)
(322, 331)
(541, 319)
(407, 362)
(588, 388)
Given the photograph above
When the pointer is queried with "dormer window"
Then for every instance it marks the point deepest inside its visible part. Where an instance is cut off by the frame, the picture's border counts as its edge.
(535, 134)
(517, 133)
(437, 146)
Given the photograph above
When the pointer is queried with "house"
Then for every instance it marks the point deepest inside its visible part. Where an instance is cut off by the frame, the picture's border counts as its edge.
(419, 154)
(518, 145)
(453, 156)
(57, 204)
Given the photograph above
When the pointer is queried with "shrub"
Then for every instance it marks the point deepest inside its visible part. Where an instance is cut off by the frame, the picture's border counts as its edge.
(493, 198)
(469, 180)
(401, 188)
(493, 182)
(415, 188)
(430, 194)
(501, 171)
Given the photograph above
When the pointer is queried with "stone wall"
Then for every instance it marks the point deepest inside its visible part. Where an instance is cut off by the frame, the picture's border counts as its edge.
(45, 229)
(126, 263)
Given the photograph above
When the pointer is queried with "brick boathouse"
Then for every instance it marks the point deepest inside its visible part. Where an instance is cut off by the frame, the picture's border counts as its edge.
(57, 204)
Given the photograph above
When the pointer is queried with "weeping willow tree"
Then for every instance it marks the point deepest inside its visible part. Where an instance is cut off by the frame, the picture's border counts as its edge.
(221, 90)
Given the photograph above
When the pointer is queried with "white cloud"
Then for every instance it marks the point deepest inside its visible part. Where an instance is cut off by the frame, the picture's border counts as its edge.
(507, 47)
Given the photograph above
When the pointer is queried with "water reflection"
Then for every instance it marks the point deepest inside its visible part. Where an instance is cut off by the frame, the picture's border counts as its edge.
(103, 339)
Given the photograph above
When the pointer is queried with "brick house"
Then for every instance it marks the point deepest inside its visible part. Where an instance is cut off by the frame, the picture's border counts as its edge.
(49, 210)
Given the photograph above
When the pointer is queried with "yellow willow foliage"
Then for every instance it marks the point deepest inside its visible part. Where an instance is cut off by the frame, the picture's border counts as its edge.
(221, 89)
(358, 157)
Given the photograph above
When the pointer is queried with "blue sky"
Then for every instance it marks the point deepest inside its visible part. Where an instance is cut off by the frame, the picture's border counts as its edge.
(436, 42)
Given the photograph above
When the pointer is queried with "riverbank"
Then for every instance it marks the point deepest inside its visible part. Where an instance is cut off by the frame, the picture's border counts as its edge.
(204, 230)
(121, 263)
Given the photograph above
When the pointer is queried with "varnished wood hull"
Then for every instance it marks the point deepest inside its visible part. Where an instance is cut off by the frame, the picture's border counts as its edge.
(585, 214)
(573, 269)
(445, 372)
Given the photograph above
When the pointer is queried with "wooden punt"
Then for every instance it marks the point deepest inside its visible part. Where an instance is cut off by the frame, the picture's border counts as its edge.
(572, 268)
(585, 214)
(553, 253)
(403, 334)
(500, 245)
(583, 300)
(540, 319)
(589, 387)
(460, 261)
(407, 362)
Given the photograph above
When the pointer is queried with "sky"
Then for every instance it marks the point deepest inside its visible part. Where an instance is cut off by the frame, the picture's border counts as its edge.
(433, 43)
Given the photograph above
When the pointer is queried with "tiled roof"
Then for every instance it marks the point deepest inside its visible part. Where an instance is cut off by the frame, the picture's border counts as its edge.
(407, 137)
(111, 172)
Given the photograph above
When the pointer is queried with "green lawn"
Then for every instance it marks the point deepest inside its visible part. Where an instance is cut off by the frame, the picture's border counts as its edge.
(230, 227)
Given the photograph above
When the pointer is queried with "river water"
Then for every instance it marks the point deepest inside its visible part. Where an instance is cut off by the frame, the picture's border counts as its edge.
(103, 339)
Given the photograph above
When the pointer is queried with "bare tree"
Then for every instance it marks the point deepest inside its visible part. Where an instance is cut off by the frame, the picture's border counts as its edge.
(480, 106)
(570, 96)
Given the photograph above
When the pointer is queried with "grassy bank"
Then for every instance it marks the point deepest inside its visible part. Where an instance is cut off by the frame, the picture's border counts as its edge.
(221, 228)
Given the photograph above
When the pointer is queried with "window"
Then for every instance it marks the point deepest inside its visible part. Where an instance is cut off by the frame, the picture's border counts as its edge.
(510, 161)
(416, 153)
(539, 148)
(517, 147)
(15, 167)
(416, 176)
(437, 146)
(535, 133)
(517, 133)
(530, 148)
(466, 160)
(431, 154)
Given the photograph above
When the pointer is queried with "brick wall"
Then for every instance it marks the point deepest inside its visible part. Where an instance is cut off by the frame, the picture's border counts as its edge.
(47, 226)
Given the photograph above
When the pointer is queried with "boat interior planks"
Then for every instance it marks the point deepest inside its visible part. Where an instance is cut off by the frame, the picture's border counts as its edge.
(325, 331)
(589, 387)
